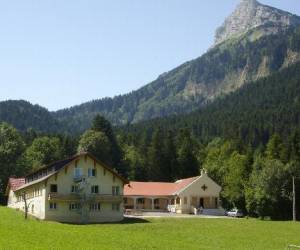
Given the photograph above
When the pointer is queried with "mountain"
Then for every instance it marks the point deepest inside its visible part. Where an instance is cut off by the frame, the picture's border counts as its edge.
(254, 42)
(251, 114)
(251, 14)
(23, 115)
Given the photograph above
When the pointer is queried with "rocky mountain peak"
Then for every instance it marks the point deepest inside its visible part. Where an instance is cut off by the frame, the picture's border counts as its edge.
(250, 14)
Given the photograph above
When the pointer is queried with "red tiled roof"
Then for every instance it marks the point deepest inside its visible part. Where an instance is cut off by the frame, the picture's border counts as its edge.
(156, 188)
(15, 183)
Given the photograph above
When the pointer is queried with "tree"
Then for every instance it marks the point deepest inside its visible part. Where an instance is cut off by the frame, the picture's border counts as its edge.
(43, 151)
(138, 170)
(269, 190)
(11, 149)
(97, 144)
(69, 145)
(274, 147)
(100, 124)
(187, 161)
(156, 157)
(235, 180)
(170, 169)
(218, 152)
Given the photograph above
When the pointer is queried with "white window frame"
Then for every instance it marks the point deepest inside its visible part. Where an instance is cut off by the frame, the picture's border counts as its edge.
(93, 189)
(53, 206)
(95, 207)
(92, 172)
(74, 206)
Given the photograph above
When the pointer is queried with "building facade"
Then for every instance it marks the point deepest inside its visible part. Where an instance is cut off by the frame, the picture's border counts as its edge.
(183, 196)
(76, 190)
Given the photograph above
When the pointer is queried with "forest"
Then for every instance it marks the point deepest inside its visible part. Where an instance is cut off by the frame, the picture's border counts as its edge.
(248, 141)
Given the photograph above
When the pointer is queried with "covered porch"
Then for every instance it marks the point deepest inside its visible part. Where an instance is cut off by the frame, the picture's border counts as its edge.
(188, 204)
(159, 204)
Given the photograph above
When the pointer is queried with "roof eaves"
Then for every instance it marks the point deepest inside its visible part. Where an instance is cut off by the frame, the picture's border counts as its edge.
(185, 187)
(36, 181)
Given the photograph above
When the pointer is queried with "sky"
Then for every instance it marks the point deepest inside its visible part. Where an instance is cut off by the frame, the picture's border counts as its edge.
(61, 53)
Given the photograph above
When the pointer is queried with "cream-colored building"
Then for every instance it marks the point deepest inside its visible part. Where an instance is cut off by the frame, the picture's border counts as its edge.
(184, 196)
(76, 190)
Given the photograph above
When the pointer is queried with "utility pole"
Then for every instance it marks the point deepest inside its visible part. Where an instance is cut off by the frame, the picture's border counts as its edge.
(294, 200)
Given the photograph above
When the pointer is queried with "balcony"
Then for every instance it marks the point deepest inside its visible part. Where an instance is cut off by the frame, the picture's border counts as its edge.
(88, 197)
(79, 178)
(63, 197)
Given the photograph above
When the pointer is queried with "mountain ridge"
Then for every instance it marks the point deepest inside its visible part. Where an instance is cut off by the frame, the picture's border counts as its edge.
(251, 14)
(224, 68)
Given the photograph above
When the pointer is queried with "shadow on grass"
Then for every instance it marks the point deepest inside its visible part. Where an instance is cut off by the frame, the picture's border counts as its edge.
(123, 222)
(135, 220)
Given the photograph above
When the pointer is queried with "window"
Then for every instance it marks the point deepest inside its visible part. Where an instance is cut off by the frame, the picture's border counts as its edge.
(77, 172)
(91, 172)
(115, 190)
(94, 189)
(74, 206)
(53, 188)
(95, 207)
(52, 205)
(156, 201)
(32, 209)
(115, 207)
(125, 200)
(74, 189)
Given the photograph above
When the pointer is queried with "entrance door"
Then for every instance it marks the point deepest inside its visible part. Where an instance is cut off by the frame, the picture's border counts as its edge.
(202, 202)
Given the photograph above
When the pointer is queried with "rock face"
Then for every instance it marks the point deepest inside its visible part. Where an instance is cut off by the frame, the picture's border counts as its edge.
(251, 14)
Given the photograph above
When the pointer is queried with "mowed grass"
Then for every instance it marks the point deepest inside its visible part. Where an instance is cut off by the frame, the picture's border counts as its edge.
(171, 233)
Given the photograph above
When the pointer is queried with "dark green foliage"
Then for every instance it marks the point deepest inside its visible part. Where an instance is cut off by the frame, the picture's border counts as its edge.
(96, 143)
(43, 150)
(100, 124)
(24, 116)
(156, 157)
(11, 149)
(251, 114)
(186, 150)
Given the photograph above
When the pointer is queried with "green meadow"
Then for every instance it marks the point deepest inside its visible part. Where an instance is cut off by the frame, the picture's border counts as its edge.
(169, 233)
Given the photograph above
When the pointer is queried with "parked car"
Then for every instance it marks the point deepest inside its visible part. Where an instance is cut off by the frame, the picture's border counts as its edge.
(235, 213)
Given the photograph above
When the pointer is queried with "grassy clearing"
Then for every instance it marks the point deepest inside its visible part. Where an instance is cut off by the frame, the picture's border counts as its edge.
(171, 233)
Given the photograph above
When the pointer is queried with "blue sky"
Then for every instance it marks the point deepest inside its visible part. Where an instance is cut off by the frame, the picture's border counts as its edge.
(61, 53)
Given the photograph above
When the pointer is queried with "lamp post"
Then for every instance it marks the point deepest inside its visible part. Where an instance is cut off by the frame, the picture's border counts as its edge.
(294, 199)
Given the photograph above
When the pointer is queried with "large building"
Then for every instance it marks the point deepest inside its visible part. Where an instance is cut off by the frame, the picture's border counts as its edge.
(80, 189)
(183, 196)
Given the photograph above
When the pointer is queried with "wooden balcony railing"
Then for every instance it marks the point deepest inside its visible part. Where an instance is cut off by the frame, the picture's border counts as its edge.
(88, 197)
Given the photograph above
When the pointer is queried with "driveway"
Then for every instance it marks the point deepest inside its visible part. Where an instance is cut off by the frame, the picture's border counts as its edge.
(172, 215)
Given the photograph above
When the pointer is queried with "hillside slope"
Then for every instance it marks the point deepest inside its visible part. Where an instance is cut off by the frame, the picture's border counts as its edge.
(255, 41)
(253, 113)
(223, 69)
(23, 115)
(268, 41)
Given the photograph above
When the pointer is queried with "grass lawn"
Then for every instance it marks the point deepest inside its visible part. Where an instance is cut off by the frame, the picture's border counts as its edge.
(169, 233)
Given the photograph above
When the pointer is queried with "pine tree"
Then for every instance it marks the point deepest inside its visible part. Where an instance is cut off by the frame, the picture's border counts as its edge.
(155, 157)
(187, 161)
(169, 170)
(100, 124)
